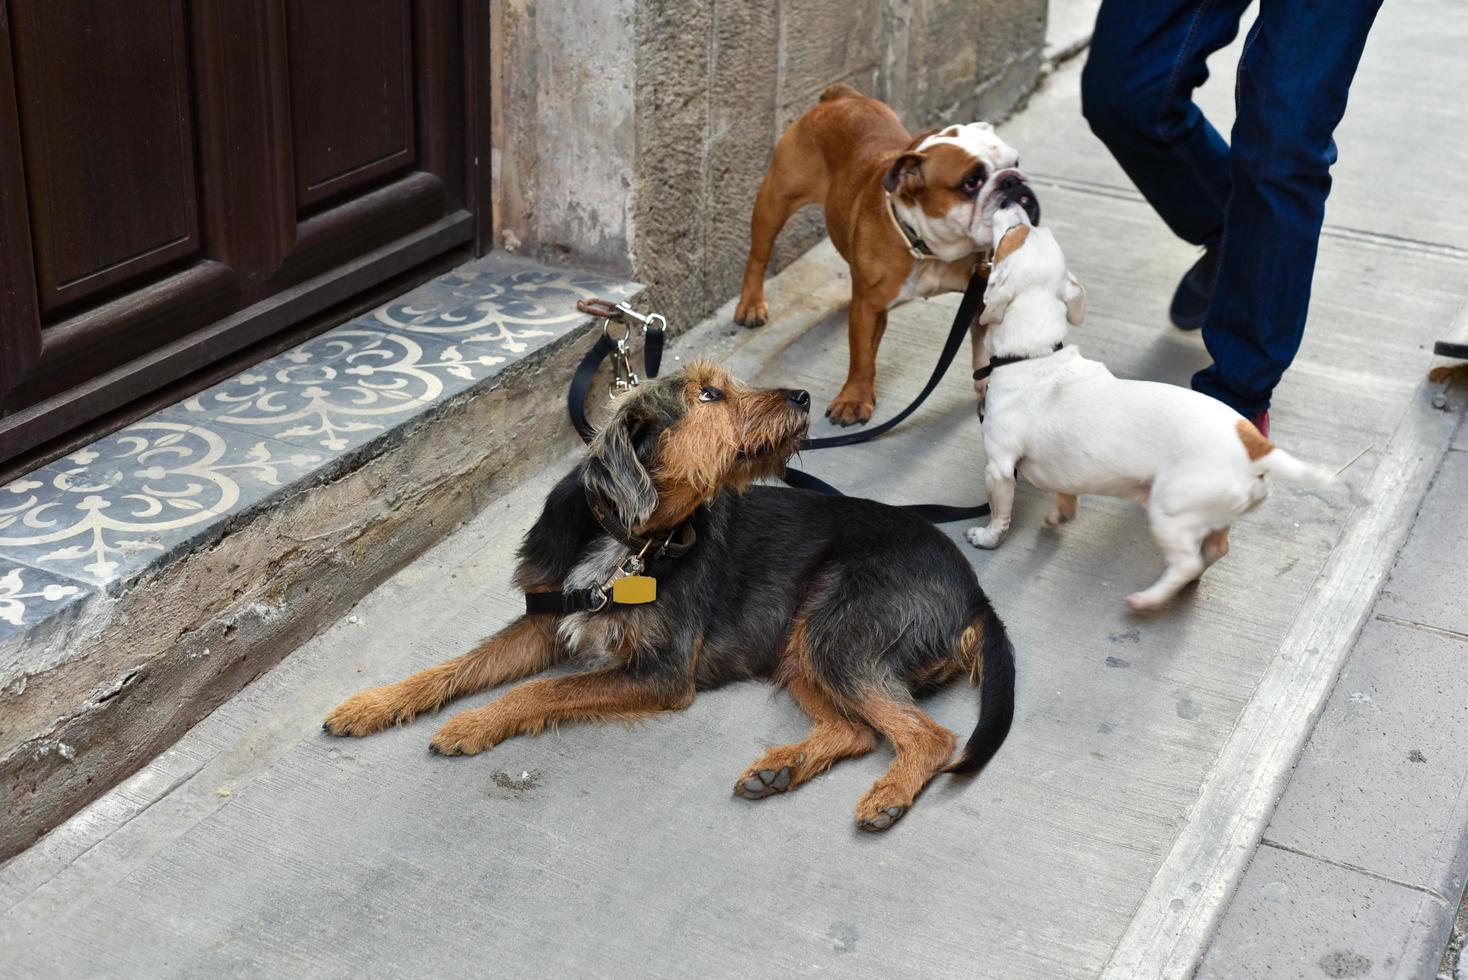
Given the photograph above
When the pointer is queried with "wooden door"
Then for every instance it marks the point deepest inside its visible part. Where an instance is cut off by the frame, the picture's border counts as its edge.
(181, 179)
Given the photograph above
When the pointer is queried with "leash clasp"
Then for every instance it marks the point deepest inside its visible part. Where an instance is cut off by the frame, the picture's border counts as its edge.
(624, 379)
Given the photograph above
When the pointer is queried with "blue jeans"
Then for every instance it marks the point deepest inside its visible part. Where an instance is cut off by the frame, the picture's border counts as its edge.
(1263, 200)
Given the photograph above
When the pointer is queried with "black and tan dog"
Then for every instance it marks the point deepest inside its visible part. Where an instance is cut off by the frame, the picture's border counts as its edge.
(856, 608)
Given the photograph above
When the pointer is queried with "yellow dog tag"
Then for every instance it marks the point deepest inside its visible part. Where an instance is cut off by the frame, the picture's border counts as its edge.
(634, 590)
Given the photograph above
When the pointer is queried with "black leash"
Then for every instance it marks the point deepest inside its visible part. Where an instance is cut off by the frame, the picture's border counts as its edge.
(653, 334)
(605, 346)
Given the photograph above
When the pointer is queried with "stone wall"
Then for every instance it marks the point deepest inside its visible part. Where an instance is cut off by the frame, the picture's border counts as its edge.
(631, 135)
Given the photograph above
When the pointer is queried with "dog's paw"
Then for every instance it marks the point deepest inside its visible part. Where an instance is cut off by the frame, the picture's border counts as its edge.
(878, 820)
(1142, 602)
(853, 406)
(882, 806)
(752, 313)
(983, 537)
(756, 784)
(365, 713)
(468, 733)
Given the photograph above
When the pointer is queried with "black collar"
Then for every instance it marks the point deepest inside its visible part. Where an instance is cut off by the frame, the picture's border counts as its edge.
(916, 247)
(999, 362)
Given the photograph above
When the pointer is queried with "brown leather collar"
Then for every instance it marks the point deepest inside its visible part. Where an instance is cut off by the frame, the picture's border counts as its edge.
(916, 247)
(662, 546)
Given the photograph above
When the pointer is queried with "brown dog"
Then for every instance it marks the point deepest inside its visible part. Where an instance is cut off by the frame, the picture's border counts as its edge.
(853, 606)
(908, 214)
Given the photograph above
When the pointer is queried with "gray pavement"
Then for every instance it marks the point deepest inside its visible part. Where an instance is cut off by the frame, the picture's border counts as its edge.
(1364, 860)
(1068, 27)
(1107, 838)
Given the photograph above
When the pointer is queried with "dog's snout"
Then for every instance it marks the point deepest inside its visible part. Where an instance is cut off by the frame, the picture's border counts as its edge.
(1013, 190)
(800, 398)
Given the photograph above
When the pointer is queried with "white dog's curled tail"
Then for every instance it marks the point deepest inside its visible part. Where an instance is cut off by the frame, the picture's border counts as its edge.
(1269, 458)
(1287, 467)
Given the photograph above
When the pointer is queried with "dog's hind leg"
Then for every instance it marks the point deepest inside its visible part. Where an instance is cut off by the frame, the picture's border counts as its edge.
(1063, 511)
(611, 694)
(789, 186)
(527, 646)
(834, 736)
(923, 748)
(1215, 546)
(1181, 541)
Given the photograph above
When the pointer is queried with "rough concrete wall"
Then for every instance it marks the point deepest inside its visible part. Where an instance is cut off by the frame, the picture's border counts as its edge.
(959, 60)
(564, 142)
(688, 98)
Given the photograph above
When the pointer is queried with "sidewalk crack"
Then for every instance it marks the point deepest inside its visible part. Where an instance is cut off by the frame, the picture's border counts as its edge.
(1346, 866)
(1434, 630)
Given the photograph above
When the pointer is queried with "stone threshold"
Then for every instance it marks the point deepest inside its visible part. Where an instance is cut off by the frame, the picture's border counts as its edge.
(153, 573)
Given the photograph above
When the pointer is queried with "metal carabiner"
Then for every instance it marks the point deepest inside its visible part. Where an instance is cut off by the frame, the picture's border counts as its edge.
(624, 379)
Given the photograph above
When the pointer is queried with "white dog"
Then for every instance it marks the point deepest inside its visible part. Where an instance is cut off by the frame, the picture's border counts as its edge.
(1068, 425)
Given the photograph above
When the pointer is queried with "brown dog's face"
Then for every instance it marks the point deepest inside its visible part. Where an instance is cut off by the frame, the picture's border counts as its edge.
(949, 182)
(678, 440)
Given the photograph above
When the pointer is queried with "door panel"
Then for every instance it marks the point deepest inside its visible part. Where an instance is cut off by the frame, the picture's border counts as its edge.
(181, 178)
(105, 119)
(351, 94)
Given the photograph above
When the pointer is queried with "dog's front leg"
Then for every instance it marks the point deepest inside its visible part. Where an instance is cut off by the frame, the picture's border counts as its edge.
(976, 333)
(865, 324)
(999, 484)
(527, 646)
(608, 694)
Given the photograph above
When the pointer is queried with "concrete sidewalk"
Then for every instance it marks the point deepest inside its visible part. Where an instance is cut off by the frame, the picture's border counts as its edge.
(1107, 838)
(1364, 860)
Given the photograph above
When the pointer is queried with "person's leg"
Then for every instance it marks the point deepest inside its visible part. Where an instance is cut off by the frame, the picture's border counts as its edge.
(1293, 79)
(1146, 58)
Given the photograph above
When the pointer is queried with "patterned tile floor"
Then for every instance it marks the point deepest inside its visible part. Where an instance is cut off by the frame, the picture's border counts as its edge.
(105, 513)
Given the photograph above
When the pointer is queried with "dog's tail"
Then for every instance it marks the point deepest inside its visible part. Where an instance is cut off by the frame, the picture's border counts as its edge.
(985, 648)
(838, 91)
(1287, 467)
(1269, 458)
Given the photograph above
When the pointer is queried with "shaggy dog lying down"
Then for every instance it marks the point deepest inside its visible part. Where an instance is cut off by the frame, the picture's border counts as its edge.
(658, 567)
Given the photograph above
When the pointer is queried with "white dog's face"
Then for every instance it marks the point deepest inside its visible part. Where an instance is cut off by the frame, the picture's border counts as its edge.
(1028, 259)
(949, 186)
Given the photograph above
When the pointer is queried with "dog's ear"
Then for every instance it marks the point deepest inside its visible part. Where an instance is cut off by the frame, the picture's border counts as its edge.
(614, 470)
(1074, 296)
(997, 295)
(1013, 239)
(905, 175)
